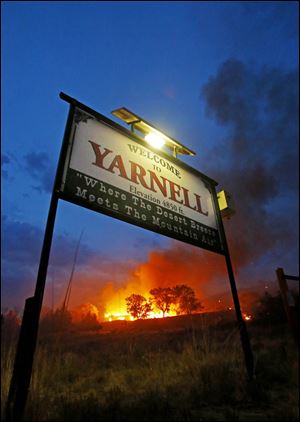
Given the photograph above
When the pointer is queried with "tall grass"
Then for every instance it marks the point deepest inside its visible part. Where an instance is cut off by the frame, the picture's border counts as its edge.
(196, 374)
(9, 336)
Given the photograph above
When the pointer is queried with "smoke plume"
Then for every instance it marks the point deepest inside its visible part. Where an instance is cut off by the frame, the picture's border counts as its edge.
(257, 162)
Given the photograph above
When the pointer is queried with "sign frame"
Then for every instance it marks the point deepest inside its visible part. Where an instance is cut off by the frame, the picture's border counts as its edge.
(209, 183)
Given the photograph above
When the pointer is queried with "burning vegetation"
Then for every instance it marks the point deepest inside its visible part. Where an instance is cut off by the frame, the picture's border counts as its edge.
(160, 302)
(165, 301)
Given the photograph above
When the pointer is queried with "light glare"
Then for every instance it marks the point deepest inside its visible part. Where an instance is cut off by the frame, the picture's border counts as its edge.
(154, 140)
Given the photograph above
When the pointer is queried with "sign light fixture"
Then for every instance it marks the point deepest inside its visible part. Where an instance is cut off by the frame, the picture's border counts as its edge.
(155, 140)
(226, 204)
(154, 136)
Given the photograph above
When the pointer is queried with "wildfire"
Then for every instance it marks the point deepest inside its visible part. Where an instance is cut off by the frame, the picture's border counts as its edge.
(160, 314)
(117, 316)
(115, 302)
(84, 309)
(247, 317)
(114, 316)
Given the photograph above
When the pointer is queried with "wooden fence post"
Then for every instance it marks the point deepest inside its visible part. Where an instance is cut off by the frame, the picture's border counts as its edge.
(289, 302)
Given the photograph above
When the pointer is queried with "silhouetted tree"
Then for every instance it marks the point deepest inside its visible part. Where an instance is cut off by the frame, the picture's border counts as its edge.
(270, 308)
(88, 322)
(163, 298)
(185, 299)
(137, 306)
(59, 320)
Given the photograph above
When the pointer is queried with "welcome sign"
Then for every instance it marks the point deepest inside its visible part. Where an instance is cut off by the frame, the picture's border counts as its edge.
(105, 168)
(112, 172)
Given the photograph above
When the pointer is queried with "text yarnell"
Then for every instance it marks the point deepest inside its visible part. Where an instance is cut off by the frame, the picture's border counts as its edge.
(107, 160)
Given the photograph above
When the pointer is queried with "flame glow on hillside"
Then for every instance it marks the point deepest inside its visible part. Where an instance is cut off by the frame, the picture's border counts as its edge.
(126, 317)
(107, 286)
(82, 310)
(162, 269)
(116, 304)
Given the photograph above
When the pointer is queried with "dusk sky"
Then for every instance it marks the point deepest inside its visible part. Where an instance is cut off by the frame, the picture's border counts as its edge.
(222, 78)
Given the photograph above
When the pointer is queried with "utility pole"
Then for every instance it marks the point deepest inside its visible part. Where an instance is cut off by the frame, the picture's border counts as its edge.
(68, 291)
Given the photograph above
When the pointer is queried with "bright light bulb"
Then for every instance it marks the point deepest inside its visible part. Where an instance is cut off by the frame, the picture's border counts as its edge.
(154, 140)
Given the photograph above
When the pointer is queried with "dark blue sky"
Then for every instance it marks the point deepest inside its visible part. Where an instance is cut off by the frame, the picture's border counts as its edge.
(221, 77)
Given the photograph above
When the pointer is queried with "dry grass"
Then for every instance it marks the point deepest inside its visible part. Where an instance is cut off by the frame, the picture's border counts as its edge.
(166, 372)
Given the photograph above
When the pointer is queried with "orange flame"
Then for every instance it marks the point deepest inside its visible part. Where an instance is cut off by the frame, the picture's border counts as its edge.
(82, 310)
(203, 271)
(167, 268)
